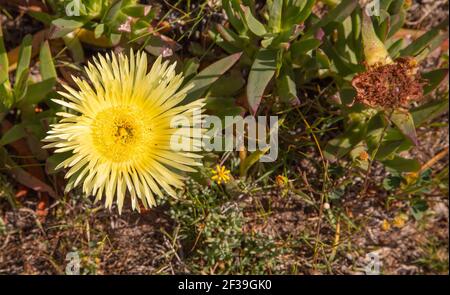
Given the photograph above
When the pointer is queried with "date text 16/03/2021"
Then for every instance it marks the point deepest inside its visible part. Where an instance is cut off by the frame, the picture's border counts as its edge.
(233, 284)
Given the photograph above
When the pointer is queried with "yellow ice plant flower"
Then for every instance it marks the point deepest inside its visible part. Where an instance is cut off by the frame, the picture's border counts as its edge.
(221, 174)
(119, 130)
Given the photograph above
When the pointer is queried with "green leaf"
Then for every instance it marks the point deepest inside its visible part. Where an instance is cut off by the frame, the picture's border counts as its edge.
(400, 164)
(253, 24)
(222, 107)
(6, 96)
(22, 176)
(46, 67)
(392, 182)
(20, 87)
(190, 68)
(261, 73)
(418, 208)
(13, 134)
(405, 123)
(36, 92)
(138, 10)
(75, 47)
(275, 16)
(232, 17)
(251, 160)
(425, 41)
(434, 79)
(63, 26)
(54, 160)
(396, 6)
(99, 29)
(227, 85)
(396, 23)
(304, 13)
(382, 29)
(343, 66)
(42, 17)
(304, 46)
(337, 15)
(429, 111)
(384, 4)
(24, 57)
(395, 48)
(387, 149)
(4, 63)
(209, 75)
(344, 143)
(287, 89)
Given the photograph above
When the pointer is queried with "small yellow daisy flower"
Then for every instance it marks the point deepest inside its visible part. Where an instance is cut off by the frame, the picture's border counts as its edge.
(119, 130)
(221, 174)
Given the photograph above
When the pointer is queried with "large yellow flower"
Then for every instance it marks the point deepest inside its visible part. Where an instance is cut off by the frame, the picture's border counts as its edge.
(121, 128)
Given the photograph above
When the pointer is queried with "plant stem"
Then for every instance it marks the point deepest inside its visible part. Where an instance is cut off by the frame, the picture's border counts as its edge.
(374, 154)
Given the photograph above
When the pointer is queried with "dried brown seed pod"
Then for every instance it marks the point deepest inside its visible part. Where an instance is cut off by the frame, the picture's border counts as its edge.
(390, 85)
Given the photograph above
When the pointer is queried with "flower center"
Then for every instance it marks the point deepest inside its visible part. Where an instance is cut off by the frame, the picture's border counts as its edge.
(118, 133)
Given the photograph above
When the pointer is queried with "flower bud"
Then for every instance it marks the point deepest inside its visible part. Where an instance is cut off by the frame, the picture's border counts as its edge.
(374, 50)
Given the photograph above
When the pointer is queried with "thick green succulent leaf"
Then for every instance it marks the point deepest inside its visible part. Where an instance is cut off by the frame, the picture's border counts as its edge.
(23, 63)
(396, 6)
(6, 97)
(63, 26)
(4, 63)
(227, 85)
(337, 15)
(430, 40)
(21, 85)
(253, 24)
(232, 16)
(344, 143)
(396, 23)
(275, 16)
(13, 134)
(287, 89)
(209, 75)
(394, 49)
(400, 164)
(405, 123)
(54, 160)
(261, 72)
(434, 79)
(222, 107)
(297, 13)
(75, 47)
(429, 111)
(37, 92)
(251, 160)
(137, 10)
(387, 149)
(22, 176)
(303, 46)
(46, 66)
